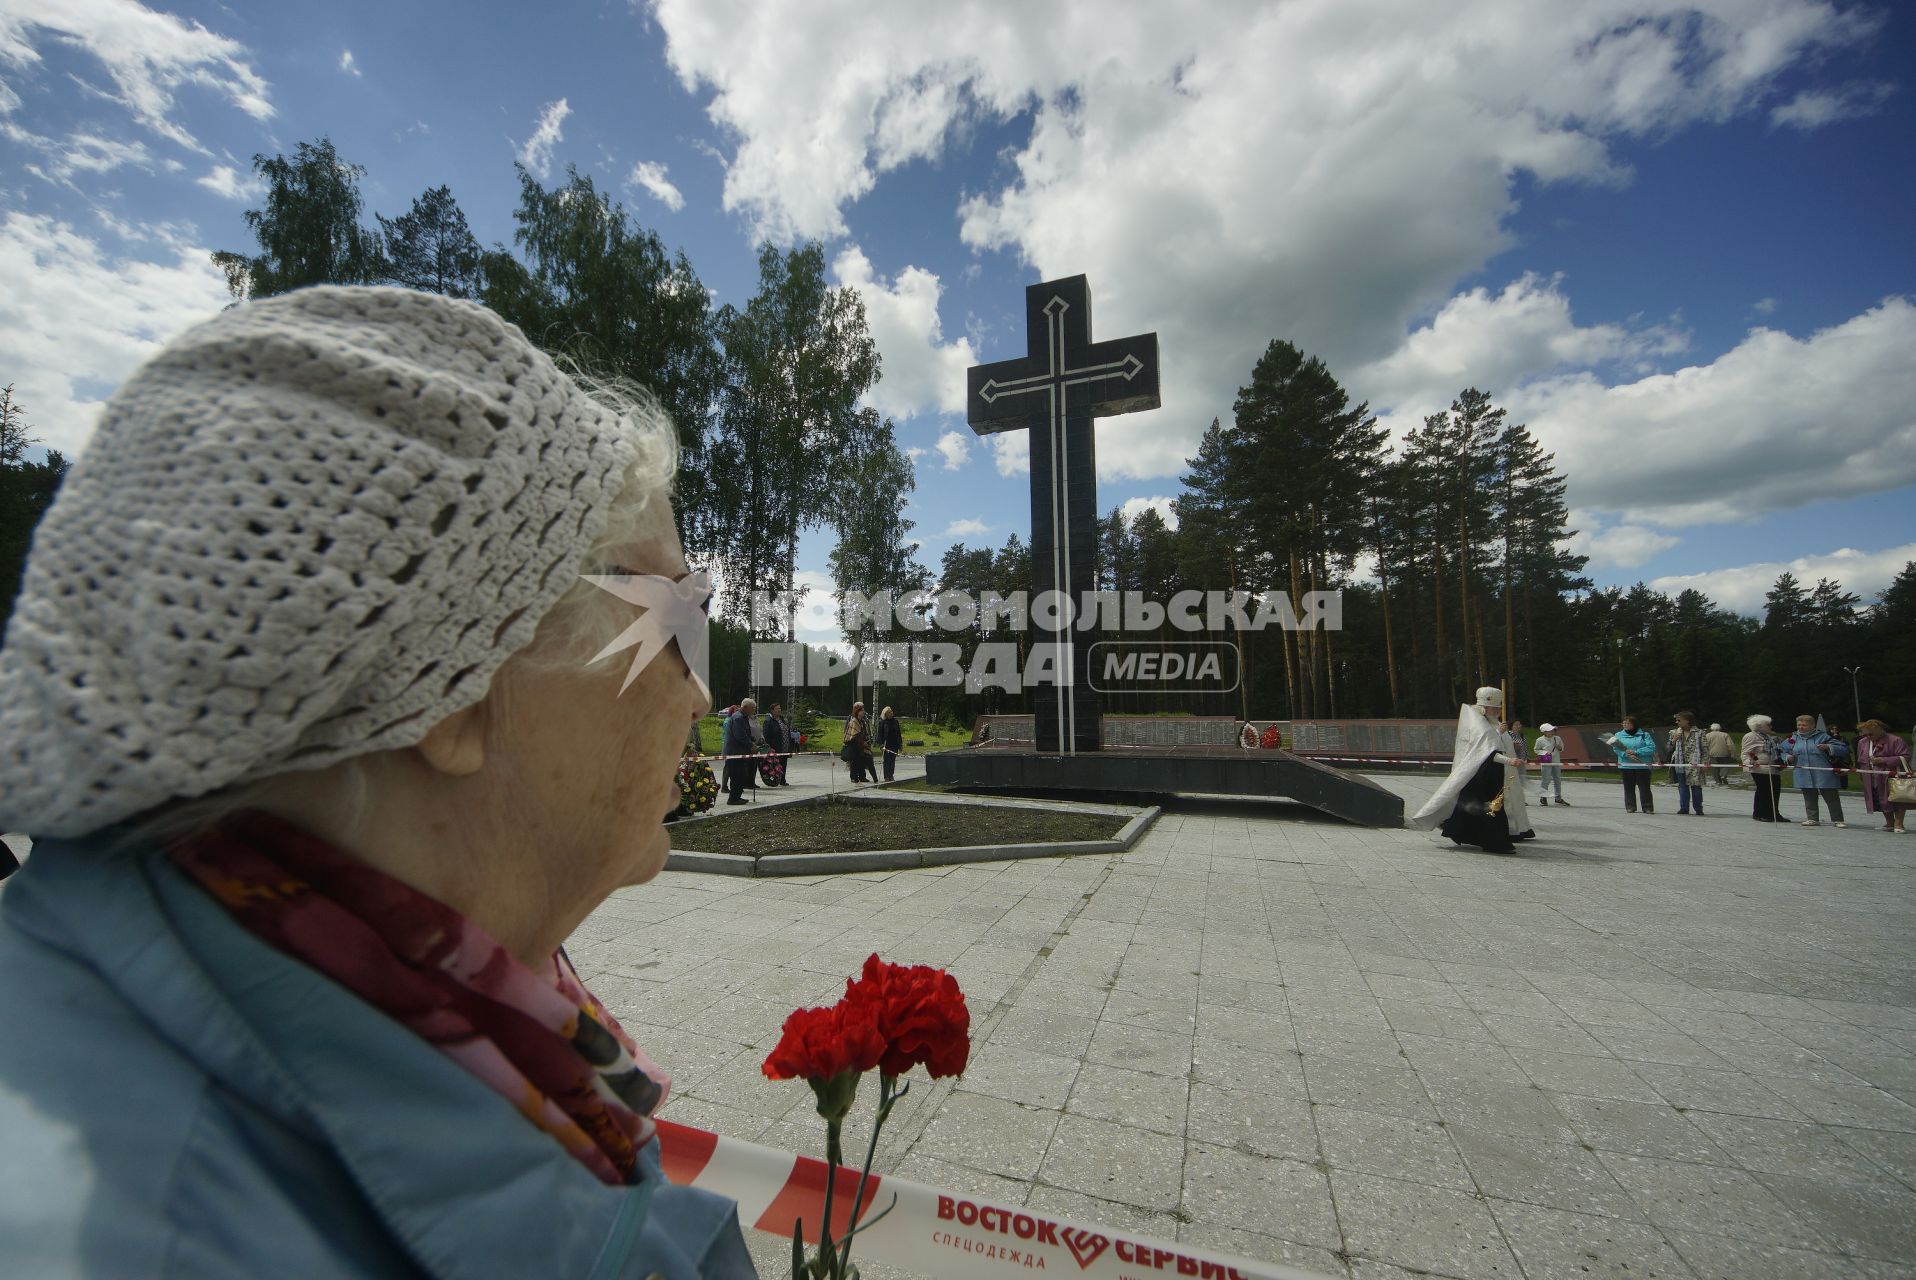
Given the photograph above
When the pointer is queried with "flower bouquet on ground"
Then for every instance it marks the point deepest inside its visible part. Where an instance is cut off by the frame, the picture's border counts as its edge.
(892, 1018)
(698, 789)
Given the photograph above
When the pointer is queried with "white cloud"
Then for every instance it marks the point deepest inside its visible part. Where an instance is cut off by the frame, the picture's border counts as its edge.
(77, 153)
(1320, 170)
(226, 181)
(347, 64)
(915, 452)
(1621, 546)
(1493, 341)
(1133, 507)
(148, 56)
(1743, 587)
(921, 371)
(1814, 108)
(1011, 451)
(75, 319)
(650, 175)
(536, 154)
(1773, 424)
(966, 528)
(1764, 306)
(955, 448)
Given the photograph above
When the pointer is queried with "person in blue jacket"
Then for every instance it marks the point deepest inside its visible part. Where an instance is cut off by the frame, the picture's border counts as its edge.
(1636, 751)
(304, 701)
(1814, 753)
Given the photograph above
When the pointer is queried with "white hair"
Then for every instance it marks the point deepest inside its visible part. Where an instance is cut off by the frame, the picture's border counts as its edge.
(1755, 720)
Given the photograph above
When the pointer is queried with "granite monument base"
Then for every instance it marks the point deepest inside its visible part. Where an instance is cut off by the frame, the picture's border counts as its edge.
(1171, 770)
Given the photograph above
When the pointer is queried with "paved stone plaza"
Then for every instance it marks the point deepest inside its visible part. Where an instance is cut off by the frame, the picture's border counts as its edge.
(1649, 1046)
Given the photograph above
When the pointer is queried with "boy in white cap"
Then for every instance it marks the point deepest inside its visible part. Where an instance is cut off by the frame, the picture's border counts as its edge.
(1548, 749)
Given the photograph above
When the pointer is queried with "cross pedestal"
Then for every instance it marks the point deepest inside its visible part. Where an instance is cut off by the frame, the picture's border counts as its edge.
(1054, 391)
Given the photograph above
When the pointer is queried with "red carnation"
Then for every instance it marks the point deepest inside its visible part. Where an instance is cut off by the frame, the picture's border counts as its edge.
(820, 1044)
(920, 1014)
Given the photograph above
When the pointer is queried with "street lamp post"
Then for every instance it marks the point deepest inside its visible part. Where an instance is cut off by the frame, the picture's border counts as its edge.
(1856, 698)
(1623, 701)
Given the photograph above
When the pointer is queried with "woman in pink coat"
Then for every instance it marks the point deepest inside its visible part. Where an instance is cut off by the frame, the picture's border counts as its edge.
(1880, 755)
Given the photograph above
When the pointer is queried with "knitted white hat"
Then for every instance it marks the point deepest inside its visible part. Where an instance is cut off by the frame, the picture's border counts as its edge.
(308, 529)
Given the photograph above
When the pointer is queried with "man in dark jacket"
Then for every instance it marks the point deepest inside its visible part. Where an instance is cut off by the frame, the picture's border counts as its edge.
(737, 748)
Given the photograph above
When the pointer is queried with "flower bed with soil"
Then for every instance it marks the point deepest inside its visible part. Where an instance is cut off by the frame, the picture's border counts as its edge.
(835, 825)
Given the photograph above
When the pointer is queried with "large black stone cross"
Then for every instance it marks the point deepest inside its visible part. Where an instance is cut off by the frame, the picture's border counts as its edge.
(1055, 391)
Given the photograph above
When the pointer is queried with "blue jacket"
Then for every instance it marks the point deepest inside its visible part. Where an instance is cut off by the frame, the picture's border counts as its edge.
(1804, 750)
(1639, 744)
(177, 1099)
(738, 735)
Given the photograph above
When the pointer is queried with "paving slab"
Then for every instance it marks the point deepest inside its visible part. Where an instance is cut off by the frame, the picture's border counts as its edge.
(1647, 1045)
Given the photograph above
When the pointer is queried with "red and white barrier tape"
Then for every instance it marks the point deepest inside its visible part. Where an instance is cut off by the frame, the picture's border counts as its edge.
(932, 1232)
(1333, 757)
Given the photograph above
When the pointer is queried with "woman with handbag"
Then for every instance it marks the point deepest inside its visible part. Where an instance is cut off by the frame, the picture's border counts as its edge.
(1883, 762)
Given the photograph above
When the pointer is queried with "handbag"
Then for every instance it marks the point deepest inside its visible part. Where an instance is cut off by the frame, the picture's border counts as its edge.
(1902, 790)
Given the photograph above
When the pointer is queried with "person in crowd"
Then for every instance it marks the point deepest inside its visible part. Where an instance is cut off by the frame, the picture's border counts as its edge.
(1469, 806)
(1721, 750)
(739, 745)
(778, 745)
(891, 741)
(1762, 761)
(1686, 752)
(321, 774)
(1814, 754)
(857, 750)
(1636, 753)
(1516, 808)
(1882, 757)
(1547, 750)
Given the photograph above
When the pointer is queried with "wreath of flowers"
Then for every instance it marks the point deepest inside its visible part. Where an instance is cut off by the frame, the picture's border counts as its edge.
(698, 789)
(1271, 740)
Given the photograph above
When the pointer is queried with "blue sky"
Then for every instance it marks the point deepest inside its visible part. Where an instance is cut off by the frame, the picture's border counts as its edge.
(1674, 238)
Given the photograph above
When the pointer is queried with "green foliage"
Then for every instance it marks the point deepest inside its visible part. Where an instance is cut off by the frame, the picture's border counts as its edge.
(430, 247)
(798, 358)
(308, 231)
(603, 292)
(26, 491)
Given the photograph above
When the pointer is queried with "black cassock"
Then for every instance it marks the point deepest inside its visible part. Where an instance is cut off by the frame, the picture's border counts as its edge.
(1478, 817)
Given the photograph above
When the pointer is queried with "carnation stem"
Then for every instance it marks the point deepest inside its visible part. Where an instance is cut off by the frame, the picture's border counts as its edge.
(885, 1099)
(834, 1156)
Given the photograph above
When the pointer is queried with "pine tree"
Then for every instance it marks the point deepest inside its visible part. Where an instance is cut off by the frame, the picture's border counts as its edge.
(430, 247)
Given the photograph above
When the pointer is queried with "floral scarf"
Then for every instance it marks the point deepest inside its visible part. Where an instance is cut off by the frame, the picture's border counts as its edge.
(540, 1040)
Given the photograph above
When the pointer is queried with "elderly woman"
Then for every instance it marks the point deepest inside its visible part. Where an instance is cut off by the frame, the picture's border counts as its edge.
(1762, 760)
(1880, 757)
(1689, 763)
(298, 702)
(1815, 753)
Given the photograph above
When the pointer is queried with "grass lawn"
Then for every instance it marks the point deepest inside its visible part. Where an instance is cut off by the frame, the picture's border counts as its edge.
(831, 735)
